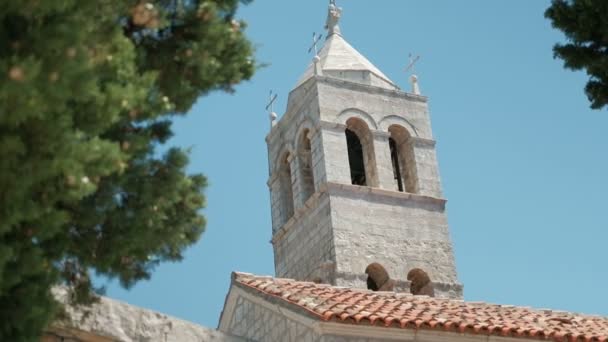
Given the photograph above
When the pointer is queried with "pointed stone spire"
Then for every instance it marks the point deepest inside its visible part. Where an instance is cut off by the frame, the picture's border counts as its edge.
(338, 59)
(333, 18)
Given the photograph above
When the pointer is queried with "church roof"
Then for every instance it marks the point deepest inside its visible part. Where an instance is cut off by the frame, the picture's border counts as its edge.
(405, 311)
(337, 55)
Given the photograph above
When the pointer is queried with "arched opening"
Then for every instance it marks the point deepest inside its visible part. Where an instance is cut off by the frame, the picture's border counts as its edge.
(396, 164)
(317, 280)
(402, 157)
(286, 189)
(307, 182)
(420, 283)
(361, 157)
(355, 159)
(378, 278)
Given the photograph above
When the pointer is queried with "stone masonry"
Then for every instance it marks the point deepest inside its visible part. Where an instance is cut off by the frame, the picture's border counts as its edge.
(114, 321)
(334, 234)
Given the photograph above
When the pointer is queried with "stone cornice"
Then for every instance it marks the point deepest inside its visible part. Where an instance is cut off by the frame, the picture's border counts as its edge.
(424, 143)
(370, 88)
(396, 334)
(381, 135)
(334, 188)
(340, 83)
(331, 126)
(340, 128)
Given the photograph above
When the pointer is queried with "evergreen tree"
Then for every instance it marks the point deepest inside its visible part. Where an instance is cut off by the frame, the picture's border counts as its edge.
(87, 90)
(585, 23)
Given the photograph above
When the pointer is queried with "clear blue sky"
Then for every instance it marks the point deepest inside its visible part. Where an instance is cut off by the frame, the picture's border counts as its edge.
(523, 159)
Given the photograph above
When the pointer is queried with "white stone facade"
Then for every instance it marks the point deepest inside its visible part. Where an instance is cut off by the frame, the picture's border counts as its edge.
(114, 321)
(258, 322)
(334, 234)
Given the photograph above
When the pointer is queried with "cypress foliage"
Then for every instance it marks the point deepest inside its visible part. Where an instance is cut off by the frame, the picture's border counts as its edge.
(87, 90)
(585, 24)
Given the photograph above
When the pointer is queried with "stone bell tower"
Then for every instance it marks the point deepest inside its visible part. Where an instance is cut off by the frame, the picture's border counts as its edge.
(354, 176)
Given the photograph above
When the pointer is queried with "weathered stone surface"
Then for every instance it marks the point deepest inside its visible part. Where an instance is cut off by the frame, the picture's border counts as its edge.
(258, 322)
(304, 247)
(334, 237)
(111, 320)
(339, 59)
(274, 310)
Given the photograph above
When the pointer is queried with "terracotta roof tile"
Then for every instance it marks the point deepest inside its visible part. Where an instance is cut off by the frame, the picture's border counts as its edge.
(400, 310)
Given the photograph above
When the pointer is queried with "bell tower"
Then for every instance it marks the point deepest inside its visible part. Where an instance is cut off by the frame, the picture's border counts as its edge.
(354, 177)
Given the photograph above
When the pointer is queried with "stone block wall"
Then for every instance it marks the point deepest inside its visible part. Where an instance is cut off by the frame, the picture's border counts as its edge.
(428, 180)
(256, 322)
(340, 101)
(114, 321)
(381, 107)
(334, 153)
(261, 318)
(334, 235)
(284, 140)
(399, 231)
(304, 248)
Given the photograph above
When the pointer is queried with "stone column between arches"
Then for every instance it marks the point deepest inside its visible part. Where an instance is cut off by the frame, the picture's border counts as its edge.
(275, 202)
(335, 165)
(306, 161)
(318, 162)
(427, 168)
(384, 166)
(295, 184)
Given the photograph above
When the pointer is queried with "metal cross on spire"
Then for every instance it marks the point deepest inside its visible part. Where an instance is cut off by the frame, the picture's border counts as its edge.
(413, 61)
(270, 107)
(413, 78)
(315, 41)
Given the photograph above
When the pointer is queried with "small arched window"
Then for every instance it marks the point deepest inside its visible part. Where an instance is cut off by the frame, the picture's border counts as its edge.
(286, 189)
(355, 158)
(378, 278)
(307, 182)
(420, 283)
(361, 157)
(396, 164)
(402, 157)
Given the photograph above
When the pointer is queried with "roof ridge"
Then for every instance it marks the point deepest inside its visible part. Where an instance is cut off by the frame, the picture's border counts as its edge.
(403, 310)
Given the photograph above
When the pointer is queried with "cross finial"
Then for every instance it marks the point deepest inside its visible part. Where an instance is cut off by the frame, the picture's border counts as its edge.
(413, 78)
(315, 40)
(269, 107)
(333, 17)
(316, 59)
(413, 61)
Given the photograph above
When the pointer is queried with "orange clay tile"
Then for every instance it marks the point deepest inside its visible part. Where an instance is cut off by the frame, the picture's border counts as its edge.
(404, 311)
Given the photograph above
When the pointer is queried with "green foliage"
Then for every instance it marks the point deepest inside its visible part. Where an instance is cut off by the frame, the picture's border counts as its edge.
(87, 89)
(585, 24)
